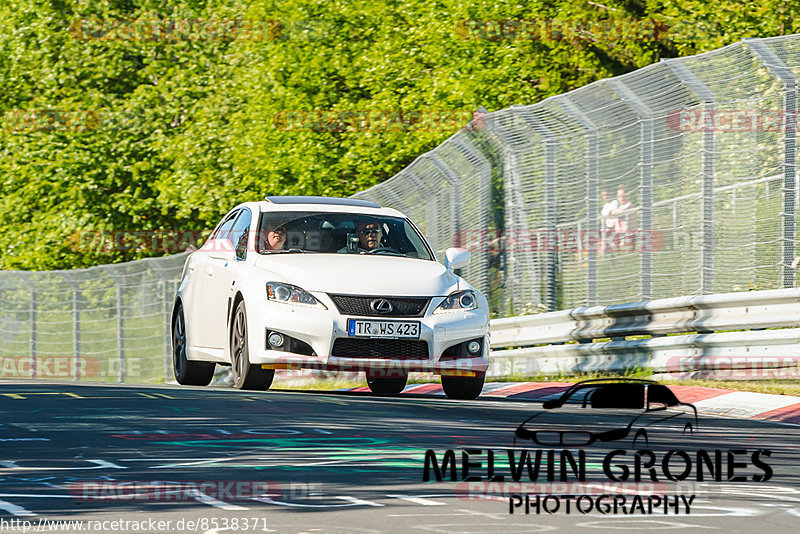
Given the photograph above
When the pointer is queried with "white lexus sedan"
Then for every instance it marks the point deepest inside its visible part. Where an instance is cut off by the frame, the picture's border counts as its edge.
(330, 284)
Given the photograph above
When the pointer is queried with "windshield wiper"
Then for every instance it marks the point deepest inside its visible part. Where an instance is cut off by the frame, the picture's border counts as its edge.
(289, 251)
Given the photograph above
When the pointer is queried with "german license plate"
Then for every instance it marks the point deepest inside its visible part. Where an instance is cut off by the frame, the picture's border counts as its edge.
(383, 329)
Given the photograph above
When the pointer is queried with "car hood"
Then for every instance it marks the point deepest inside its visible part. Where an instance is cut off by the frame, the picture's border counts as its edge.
(361, 275)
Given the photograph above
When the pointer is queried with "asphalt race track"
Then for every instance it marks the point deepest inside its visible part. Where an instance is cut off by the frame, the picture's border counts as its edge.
(117, 458)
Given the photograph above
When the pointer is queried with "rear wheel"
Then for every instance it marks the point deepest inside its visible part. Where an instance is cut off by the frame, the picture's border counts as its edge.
(385, 385)
(245, 374)
(187, 372)
(463, 387)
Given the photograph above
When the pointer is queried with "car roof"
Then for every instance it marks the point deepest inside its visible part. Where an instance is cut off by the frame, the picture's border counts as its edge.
(322, 200)
(323, 204)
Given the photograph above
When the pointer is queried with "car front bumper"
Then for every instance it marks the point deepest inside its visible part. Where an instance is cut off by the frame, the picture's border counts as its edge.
(319, 330)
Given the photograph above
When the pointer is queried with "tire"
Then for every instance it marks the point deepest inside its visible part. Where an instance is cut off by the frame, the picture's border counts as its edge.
(386, 385)
(187, 372)
(463, 387)
(245, 375)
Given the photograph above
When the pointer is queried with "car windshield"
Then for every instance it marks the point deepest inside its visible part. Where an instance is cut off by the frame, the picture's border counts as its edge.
(339, 233)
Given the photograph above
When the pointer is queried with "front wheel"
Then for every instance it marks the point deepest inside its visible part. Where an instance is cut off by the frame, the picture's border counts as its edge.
(245, 374)
(187, 372)
(463, 387)
(386, 385)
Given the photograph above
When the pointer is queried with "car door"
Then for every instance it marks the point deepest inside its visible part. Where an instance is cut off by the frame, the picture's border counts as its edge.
(222, 278)
(206, 300)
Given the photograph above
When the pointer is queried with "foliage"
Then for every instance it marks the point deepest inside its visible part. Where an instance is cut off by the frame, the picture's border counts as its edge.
(110, 125)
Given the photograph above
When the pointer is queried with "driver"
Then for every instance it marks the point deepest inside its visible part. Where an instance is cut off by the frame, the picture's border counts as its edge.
(370, 235)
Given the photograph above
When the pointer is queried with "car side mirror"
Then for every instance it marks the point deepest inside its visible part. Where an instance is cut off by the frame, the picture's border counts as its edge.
(219, 249)
(456, 258)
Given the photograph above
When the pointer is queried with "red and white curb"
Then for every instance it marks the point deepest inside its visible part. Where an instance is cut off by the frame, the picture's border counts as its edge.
(709, 401)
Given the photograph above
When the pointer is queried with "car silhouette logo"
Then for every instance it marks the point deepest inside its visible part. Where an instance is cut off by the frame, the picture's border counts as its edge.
(382, 306)
(620, 408)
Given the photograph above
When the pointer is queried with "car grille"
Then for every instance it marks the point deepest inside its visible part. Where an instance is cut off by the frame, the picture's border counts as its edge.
(401, 306)
(390, 349)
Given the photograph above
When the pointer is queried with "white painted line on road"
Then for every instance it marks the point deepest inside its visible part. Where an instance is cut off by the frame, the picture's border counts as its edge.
(211, 501)
(743, 403)
(38, 495)
(99, 464)
(419, 500)
(357, 501)
(103, 463)
(350, 502)
(13, 509)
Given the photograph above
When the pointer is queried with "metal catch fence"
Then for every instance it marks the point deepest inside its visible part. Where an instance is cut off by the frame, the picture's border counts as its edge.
(677, 179)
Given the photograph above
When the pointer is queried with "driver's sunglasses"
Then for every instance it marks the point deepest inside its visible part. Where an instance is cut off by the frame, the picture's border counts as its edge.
(370, 231)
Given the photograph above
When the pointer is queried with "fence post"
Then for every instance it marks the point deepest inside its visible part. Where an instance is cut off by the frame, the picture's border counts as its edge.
(550, 199)
(454, 181)
(76, 327)
(707, 98)
(168, 296)
(646, 137)
(119, 281)
(778, 68)
(473, 155)
(592, 193)
(32, 339)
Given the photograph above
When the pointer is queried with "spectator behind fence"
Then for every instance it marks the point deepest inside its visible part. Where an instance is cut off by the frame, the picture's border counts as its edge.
(626, 217)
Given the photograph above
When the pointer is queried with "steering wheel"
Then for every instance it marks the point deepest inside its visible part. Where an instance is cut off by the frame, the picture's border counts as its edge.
(384, 249)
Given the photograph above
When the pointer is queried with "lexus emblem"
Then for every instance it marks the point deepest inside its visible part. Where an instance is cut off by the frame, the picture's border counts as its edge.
(381, 306)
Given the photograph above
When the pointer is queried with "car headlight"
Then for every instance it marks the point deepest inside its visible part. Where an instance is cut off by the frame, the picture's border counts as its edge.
(289, 294)
(460, 301)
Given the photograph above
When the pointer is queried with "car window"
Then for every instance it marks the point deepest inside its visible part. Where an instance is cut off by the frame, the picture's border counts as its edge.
(338, 233)
(240, 232)
(661, 396)
(224, 230)
(608, 396)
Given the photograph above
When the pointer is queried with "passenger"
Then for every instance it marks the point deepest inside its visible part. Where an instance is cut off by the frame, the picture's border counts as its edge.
(274, 239)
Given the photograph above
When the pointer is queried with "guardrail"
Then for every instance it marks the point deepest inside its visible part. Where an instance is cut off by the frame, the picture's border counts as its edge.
(731, 335)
